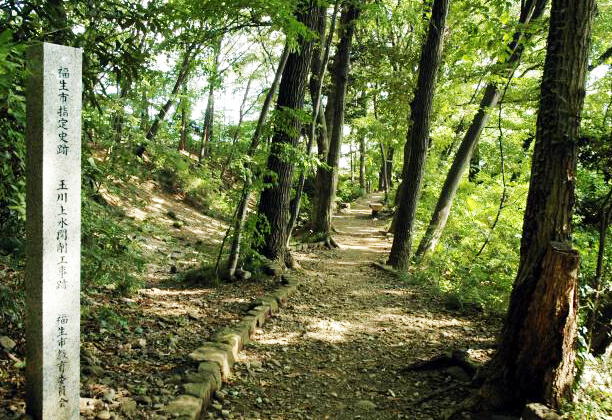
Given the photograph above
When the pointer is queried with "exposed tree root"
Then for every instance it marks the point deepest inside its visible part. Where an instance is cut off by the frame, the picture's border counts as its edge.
(386, 268)
(454, 358)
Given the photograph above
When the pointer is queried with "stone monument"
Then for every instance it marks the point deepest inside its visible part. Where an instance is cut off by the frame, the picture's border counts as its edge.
(53, 231)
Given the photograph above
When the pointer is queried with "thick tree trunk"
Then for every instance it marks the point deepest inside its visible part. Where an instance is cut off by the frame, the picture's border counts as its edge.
(274, 200)
(241, 212)
(317, 73)
(415, 150)
(326, 196)
(535, 357)
(532, 11)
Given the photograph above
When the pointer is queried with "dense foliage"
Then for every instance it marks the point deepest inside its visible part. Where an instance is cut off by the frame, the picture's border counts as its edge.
(143, 57)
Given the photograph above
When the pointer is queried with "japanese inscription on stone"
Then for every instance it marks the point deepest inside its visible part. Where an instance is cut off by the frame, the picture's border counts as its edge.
(53, 231)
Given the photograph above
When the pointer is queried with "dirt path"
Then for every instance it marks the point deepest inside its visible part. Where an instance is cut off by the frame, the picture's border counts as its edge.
(336, 351)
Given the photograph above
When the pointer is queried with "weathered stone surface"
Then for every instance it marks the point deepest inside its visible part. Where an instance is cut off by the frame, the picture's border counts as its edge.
(220, 357)
(202, 390)
(245, 329)
(7, 343)
(53, 230)
(271, 302)
(252, 321)
(211, 369)
(231, 338)
(365, 405)
(261, 313)
(536, 411)
(185, 406)
(104, 415)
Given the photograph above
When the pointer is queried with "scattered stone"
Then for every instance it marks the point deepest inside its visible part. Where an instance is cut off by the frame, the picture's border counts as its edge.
(185, 407)
(217, 406)
(7, 343)
(104, 415)
(365, 405)
(536, 411)
(109, 395)
(140, 343)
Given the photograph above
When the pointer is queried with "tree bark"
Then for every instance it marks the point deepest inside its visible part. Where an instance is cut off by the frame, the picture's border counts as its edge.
(246, 190)
(362, 174)
(327, 193)
(535, 357)
(415, 150)
(532, 11)
(209, 114)
(190, 53)
(274, 200)
(598, 319)
(318, 66)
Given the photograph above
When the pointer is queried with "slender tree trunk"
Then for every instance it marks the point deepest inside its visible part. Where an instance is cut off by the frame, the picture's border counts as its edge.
(246, 191)
(362, 174)
(327, 194)
(417, 140)
(183, 141)
(190, 53)
(598, 319)
(532, 10)
(384, 178)
(274, 200)
(535, 357)
(207, 129)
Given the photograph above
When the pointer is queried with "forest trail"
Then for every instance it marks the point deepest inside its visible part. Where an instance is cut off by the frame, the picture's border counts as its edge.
(336, 350)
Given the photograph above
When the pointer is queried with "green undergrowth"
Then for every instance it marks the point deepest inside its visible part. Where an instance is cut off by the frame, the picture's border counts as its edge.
(593, 391)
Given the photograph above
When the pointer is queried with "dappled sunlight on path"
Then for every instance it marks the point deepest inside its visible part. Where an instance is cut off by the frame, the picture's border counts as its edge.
(337, 350)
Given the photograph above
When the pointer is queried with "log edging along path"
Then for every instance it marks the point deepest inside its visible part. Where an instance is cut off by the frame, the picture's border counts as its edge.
(215, 358)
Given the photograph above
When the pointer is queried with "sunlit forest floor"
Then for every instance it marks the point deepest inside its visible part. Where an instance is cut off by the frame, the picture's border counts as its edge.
(336, 351)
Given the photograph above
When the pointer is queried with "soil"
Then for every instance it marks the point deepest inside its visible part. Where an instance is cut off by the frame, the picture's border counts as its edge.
(335, 352)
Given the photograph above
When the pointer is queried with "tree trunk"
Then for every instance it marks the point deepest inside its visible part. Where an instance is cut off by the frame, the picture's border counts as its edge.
(532, 11)
(274, 200)
(535, 357)
(327, 194)
(183, 140)
(362, 174)
(318, 66)
(415, 150)
(207, 129)
(598, 318)
(246, 190)
(384, 178)
(190, 53)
